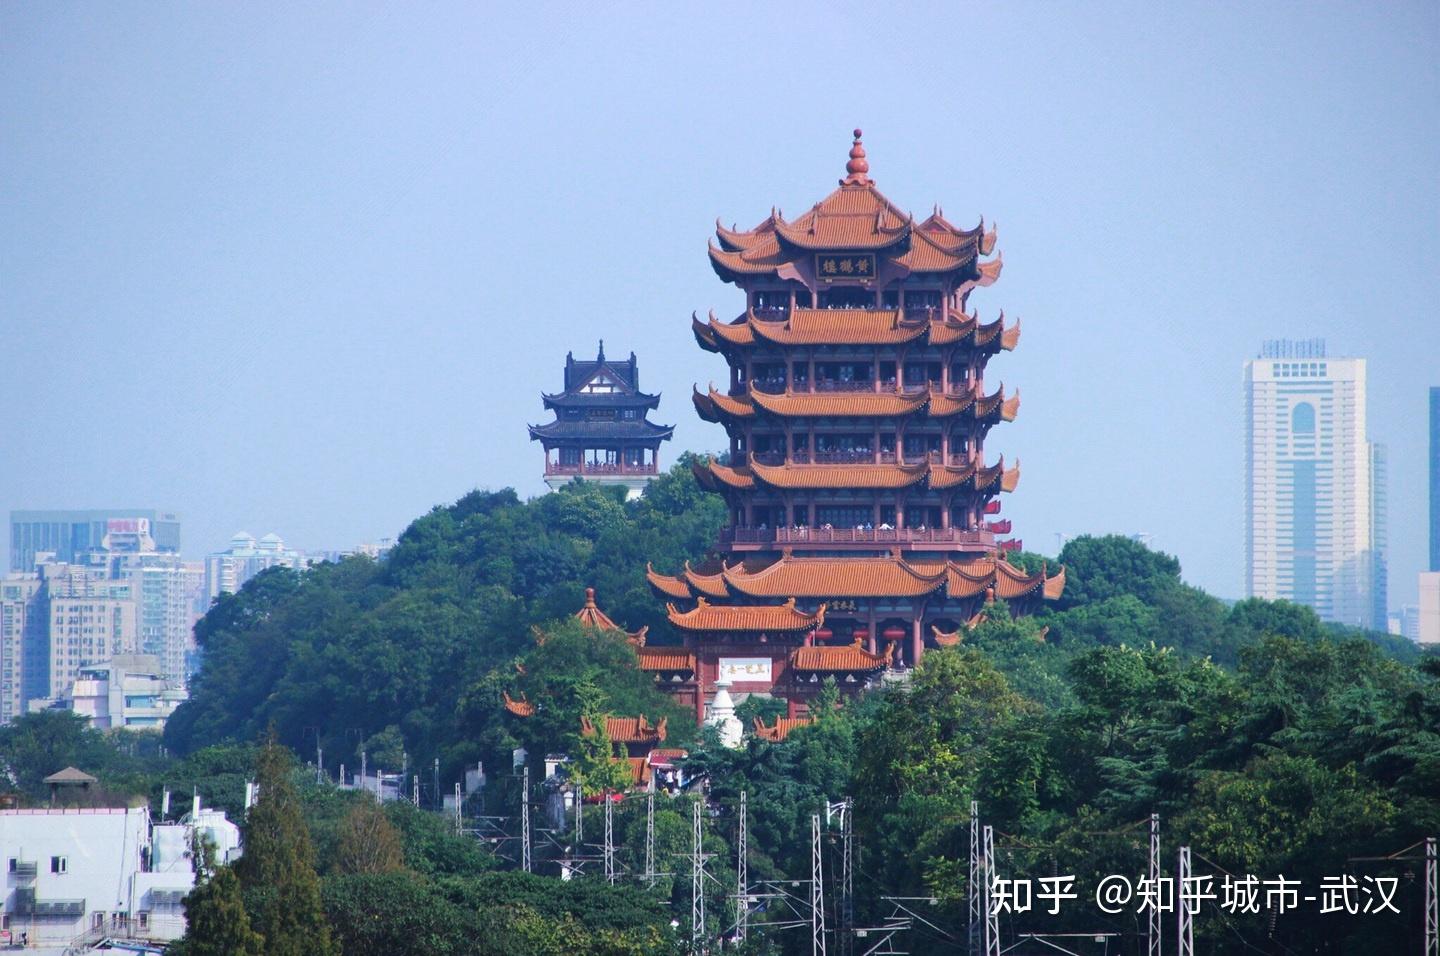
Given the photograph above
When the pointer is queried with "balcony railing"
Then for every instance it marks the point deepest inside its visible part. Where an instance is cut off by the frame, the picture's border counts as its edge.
(802, 457)
(770, 386)
(599, 468)
(954, 537)
(842, 385)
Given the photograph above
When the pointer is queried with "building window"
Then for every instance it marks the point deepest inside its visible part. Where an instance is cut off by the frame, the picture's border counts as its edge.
(1302, 419)
(97, 919)
(59, 864)
(144, 919)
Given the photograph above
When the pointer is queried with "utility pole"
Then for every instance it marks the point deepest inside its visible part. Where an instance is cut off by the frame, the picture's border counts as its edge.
(319, 761)
(525, 821)
(976, 894)
(817, 891)
(363, 758)
(579, 820)
(847, 879)
(650, 838)
(742, 874)
(992, 919)
(609, 836)
(1432, 901)
(1152, 934)
(438, 804)
(415, 790)
(457, 809)
(1185, 916)
(697, 881)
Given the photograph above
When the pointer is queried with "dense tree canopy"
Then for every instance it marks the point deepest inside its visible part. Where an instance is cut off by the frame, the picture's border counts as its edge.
(1265, 739)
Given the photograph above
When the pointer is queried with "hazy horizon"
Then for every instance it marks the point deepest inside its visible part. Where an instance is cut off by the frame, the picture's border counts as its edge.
(308, 269)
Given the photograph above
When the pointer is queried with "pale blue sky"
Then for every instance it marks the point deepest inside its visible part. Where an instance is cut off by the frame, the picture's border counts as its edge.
(307, 267)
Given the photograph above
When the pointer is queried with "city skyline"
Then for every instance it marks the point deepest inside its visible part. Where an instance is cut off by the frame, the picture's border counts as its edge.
(342, 251)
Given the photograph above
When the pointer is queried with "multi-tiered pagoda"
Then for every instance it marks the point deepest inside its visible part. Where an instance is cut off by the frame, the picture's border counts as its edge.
(601, 431)
(862, 502)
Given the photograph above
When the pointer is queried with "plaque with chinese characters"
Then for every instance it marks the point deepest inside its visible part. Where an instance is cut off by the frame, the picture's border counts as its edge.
(858, 266)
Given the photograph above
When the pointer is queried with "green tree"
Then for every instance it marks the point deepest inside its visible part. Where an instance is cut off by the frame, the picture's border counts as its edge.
(278, 867)
(368, 842)
(215, 917)
(1097, 568)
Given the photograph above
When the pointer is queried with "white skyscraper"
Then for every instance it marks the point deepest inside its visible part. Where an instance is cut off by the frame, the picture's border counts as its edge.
(1311, 534)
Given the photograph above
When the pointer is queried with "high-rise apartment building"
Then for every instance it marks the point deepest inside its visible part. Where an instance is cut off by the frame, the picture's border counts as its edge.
(24, 632)
(1310, 529)
(70, 535)
(227, 571)
(91, 618)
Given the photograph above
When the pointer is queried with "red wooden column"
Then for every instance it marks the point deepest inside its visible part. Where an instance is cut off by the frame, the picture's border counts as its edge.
(917, 641)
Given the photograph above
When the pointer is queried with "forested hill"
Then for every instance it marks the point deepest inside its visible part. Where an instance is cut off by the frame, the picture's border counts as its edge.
(1267, 742)
(411, 654)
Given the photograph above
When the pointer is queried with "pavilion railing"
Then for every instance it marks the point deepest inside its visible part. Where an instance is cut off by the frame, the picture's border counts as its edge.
(957, 537)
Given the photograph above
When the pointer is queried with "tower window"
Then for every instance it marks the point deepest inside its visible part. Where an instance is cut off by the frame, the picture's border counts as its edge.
(1302, 419)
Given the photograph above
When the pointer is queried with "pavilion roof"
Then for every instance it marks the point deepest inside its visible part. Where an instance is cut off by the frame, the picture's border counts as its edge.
(520, 708)
(633, 430)
(627, 730)
(70, 776)
(986, 478)
(837, 577)
(852, 657)
(727, 617)
(591, 616)
(781, 728)
(666, 659)
(861, 577)
(855, 217)
(859, 327)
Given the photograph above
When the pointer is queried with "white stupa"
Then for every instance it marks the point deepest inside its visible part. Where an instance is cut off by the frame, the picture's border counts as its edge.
(722, 715)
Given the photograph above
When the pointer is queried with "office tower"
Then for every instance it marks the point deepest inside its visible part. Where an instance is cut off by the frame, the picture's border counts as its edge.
(1379, 550)
(70, 535)
(1435, 478)
(1309, 530)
